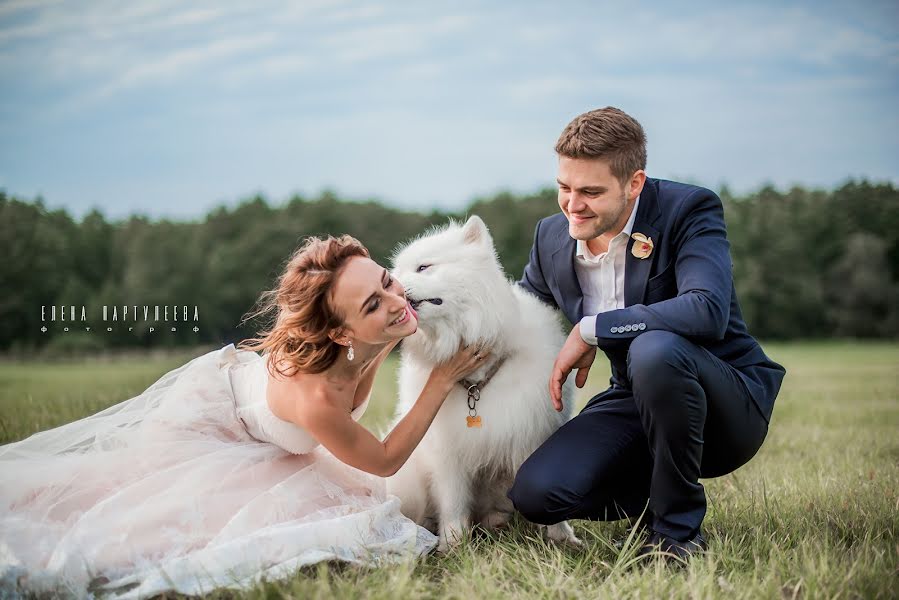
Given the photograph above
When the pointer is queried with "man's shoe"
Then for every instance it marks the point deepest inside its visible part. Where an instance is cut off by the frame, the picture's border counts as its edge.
(672, 550)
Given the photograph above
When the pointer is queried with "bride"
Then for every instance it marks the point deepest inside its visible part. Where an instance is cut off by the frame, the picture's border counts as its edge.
(236, 465)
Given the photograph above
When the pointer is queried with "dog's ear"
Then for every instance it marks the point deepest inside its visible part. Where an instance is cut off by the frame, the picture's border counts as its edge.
(475, 230)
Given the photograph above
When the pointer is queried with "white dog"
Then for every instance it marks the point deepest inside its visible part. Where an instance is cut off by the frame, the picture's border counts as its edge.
(460, 472)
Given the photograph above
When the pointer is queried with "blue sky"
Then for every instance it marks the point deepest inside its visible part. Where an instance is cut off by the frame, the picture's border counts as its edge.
(171, 108)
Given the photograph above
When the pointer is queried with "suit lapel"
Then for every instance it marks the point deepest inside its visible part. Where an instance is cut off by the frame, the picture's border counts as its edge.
(566, 278)
(636, 270)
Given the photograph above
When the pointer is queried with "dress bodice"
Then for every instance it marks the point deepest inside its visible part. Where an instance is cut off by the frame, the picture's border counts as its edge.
(249, 381)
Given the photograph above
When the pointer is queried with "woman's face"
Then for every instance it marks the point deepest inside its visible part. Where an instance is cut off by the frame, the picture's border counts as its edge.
(373, 303)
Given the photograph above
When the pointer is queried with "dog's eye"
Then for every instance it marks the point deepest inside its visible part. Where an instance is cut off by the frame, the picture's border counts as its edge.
(422, 267)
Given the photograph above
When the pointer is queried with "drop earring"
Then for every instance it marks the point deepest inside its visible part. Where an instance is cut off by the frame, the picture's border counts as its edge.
(349, 353)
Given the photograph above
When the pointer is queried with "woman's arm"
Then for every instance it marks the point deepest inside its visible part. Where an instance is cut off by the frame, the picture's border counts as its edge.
(354, 445)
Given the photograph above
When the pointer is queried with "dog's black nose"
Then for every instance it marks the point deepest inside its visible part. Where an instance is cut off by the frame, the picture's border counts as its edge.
(418, 302)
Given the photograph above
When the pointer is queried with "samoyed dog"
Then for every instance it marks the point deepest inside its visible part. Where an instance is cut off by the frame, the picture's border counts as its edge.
(459, 474)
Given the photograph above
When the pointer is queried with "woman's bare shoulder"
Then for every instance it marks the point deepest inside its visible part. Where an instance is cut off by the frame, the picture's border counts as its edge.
(291, 396)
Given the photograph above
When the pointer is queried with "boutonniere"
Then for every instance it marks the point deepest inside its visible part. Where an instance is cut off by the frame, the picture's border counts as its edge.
(642, 245)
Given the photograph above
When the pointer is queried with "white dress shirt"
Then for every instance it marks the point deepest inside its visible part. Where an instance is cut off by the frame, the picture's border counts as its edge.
(602, 277)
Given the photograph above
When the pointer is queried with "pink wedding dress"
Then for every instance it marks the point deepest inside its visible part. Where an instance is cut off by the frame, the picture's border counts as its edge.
(192, 485)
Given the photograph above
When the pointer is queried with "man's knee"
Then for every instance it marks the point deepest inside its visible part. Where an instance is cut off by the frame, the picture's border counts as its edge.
(654, 355)
(654, 350)
(531, 495)
(659, 365)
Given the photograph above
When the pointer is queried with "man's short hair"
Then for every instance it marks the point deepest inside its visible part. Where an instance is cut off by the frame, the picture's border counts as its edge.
(608, 133)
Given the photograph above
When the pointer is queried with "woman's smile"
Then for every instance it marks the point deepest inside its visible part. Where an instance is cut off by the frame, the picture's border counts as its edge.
(403, 318)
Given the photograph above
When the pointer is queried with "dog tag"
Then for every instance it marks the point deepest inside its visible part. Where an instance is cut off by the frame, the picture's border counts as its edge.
(474, 421)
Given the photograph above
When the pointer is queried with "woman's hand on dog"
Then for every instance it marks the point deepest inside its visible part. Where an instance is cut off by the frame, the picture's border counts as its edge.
(464, 362)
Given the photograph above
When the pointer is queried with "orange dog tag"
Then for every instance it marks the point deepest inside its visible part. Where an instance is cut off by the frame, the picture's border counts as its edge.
(474, 421)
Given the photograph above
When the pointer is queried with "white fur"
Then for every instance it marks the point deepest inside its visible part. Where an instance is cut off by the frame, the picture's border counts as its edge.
(459, 475)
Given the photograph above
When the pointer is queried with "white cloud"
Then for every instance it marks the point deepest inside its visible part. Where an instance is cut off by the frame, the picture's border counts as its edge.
(57, 18)
(182, 61)
(10, 7)
(383, 40)
(746, 34)
(355, 13)
(439, 104)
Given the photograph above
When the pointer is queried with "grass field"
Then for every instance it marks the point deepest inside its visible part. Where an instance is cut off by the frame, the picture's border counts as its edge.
(814, 515)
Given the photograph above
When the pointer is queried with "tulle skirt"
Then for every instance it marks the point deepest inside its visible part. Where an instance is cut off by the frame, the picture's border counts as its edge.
(168, 491)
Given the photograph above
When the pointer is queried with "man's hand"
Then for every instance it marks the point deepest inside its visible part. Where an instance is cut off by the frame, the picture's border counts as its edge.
(575, 354)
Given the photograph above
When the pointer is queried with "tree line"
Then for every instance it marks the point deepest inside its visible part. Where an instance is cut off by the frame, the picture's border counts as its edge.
(807, 263)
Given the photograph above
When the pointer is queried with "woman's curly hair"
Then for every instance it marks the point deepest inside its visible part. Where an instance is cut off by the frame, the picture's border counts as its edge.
(303, 314)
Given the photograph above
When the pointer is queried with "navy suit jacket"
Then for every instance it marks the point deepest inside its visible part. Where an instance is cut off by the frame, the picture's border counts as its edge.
(684, 286)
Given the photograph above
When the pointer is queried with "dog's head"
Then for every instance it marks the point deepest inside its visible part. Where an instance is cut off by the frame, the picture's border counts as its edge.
(455, 282)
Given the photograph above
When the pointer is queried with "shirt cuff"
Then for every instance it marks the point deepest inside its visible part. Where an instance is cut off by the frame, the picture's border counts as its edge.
(588, 330)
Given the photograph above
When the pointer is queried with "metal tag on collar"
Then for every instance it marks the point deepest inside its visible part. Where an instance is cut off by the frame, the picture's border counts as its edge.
(474, 394)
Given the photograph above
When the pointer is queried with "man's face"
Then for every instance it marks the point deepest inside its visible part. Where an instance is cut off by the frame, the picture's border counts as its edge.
(592, 199)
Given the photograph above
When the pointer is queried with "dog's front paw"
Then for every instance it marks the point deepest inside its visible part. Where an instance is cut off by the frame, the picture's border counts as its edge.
(562, 533)
(450, 536)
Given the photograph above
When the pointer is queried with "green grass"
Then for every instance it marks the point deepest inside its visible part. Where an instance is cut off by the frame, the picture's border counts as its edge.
(813, 515)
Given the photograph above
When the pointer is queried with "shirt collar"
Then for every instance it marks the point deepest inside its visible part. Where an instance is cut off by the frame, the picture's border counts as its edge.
(581, 250)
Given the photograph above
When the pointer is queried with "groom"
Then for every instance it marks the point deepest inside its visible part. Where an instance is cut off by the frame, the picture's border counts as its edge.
(642, 266)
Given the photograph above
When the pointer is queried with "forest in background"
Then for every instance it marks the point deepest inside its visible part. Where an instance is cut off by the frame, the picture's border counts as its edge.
(807, 263)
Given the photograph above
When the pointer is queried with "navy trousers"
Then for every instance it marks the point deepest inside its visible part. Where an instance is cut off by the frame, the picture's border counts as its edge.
(686, 414)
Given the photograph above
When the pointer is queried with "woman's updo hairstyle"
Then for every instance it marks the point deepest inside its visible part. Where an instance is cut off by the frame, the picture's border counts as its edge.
(302, 312)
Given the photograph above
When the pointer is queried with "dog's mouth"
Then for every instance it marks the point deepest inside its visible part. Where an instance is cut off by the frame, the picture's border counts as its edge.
(416, 302)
